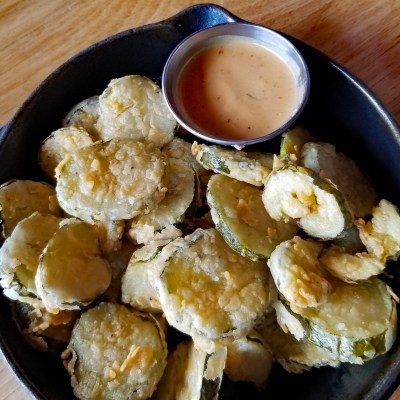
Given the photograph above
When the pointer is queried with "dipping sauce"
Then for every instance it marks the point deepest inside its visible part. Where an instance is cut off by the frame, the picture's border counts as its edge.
(234, 88)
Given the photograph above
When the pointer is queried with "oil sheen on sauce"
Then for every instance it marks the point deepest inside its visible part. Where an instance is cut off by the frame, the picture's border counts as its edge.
(235, 89)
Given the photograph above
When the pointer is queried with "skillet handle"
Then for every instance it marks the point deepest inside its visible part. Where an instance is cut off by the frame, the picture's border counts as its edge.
(201, 16)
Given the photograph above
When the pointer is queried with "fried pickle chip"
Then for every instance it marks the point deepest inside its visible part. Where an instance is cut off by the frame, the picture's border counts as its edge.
(134, 107)
(20, 198)
(115, 353)
(72, 271)
(56, 146)
(20, 253)
(111, 180)
(208, 290)
(84, 115)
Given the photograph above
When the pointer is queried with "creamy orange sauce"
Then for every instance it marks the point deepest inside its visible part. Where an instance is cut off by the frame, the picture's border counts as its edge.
(236, 89)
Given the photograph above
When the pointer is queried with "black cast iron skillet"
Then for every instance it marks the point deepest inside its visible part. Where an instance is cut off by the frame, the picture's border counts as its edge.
(340, 109)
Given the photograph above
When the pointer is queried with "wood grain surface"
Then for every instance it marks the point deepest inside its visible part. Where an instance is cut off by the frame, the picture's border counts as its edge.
(36, 36)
